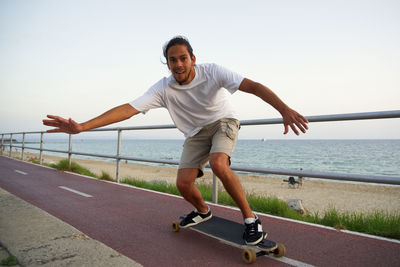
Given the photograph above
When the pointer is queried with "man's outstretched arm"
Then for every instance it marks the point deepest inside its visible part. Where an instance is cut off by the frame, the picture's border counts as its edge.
(69, 126)
(290, 117)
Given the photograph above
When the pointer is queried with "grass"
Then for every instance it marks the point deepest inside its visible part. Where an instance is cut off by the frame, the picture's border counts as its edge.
(9, 261)
(159, 187)
(376, 223)
(63, 165)
(105, 176)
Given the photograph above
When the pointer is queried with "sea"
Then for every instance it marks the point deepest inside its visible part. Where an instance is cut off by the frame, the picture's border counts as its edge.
(375, 157)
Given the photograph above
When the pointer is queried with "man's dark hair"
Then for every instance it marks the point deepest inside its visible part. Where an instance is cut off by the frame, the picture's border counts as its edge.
(177, 40)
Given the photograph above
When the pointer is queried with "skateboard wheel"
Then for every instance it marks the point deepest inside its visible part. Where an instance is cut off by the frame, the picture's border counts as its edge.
(249, 256)
(280, 251)
(175, 226)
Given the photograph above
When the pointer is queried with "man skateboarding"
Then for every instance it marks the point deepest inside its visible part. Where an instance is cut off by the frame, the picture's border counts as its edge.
(195, 97)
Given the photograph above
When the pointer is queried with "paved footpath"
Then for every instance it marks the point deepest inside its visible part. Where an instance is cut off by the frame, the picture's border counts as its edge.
(52, 218)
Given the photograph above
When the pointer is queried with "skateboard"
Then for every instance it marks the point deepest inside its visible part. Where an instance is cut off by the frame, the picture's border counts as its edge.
(230, 232)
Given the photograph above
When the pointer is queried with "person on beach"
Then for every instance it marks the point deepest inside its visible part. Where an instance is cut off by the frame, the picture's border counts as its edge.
(195, 97)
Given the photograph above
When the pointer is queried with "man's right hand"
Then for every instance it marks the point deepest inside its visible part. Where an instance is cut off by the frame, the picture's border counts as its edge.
(62, 125)
(69, 126)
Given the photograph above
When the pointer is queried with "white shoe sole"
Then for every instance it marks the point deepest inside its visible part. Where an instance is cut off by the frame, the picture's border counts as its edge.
(194, 223)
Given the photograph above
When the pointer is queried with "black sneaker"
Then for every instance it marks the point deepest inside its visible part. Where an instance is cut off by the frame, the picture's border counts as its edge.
(194, 218)
(253, 234)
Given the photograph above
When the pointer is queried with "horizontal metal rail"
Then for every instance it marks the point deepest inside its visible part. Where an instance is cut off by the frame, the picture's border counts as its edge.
(381, 179)
(319, 118)
(303, 173)
(391, 114)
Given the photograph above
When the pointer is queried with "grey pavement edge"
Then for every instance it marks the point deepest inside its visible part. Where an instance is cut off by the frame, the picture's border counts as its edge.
(37, 238)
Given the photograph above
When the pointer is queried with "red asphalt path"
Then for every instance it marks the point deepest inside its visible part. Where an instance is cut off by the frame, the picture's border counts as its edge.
(136, 223)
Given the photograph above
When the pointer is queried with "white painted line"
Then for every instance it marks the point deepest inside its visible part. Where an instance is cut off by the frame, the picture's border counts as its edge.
(21, 172)
(290, 261)
(75, 191)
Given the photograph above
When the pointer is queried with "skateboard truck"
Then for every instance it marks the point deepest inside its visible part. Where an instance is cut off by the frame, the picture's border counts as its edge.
(249, 255)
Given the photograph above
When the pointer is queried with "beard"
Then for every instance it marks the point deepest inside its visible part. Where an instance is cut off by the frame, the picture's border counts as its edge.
(184, 79)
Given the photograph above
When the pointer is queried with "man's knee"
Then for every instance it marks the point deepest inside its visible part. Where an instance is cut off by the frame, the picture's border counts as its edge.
(219, 163)
(182, 186)
(186, 179)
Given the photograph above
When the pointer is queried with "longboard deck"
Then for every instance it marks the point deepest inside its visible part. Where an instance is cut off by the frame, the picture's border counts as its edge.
(230, 232)
(226, 230)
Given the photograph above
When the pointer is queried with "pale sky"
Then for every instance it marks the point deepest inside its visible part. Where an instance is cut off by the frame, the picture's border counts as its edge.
(80, 58)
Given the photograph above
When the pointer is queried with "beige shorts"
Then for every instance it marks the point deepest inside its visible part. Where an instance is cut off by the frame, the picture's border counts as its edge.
(219, 136)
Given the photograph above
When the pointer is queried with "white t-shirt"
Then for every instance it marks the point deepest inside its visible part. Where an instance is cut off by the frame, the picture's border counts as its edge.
(192, 106)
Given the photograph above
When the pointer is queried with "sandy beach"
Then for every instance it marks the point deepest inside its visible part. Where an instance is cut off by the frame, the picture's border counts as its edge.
(315, 195)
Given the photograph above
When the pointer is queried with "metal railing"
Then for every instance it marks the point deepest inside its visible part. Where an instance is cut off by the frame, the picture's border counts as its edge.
(302, 173)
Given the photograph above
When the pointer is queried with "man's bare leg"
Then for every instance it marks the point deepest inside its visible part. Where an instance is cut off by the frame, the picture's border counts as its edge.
(185, 183)
(219, 163)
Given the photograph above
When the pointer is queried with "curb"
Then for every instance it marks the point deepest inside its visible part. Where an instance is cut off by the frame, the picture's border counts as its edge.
(37, 238)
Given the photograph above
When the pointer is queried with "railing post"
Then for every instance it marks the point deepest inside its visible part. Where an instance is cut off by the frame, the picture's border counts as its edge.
(10, 144)
(23, 146)
(215, 189)
(41, 149)
(118, 155)
(69, 150)
(2, 144)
